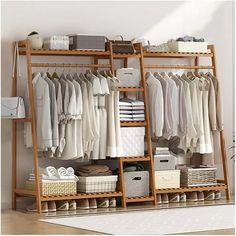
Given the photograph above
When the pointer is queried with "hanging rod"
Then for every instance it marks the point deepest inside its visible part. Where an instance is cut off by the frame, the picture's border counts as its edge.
(178, 67)
(70, 65)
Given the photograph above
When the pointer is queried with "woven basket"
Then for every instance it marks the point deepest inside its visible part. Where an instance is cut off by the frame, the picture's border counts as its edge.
(54, 188)
(198, 177)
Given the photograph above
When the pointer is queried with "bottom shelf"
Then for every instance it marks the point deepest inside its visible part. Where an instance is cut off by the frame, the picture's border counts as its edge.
(140, 199)
(81, 196)
(191, 189)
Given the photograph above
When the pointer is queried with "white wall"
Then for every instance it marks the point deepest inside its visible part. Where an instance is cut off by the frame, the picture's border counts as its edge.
(157, 21)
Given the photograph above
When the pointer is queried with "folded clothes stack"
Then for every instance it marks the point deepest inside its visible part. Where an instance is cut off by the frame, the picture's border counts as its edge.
(93, 170)
(131, 110)
(50, 173)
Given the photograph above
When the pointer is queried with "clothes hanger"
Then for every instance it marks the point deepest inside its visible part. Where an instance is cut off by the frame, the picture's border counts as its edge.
(55, 75)
(163, 73)
(170, 74)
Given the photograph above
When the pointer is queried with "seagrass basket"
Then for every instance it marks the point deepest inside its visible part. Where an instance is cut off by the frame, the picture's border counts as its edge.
(198, 177)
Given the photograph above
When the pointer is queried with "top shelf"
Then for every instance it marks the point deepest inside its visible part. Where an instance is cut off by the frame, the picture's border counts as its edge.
(176, 54)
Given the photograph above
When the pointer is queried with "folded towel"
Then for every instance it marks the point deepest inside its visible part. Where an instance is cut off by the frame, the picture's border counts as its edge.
(70, 171)
(62, 172)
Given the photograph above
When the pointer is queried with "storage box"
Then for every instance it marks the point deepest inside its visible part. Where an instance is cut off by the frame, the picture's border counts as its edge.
(176, 46)
(198, 176)
(54, 187)
(136, 183)
(95, 184)
(164, 162)
(87, 42)
(56, 42)
(129, 77)
(167, 179)
(132, 139)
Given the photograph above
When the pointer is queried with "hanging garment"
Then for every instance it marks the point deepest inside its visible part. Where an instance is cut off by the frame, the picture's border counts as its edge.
(156, 105)
(42, 115)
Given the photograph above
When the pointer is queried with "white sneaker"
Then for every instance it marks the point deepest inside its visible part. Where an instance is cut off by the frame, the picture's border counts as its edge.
(62, 205)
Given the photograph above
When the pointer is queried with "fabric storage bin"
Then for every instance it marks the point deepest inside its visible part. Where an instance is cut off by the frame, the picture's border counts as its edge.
(56, 42)
(188, 46)
(164, 162)
(132, 139)
(136, 183)
(54, 187)
(167, 179)
(198, 176)
(129, 77)
(87, 42)
(95, 184)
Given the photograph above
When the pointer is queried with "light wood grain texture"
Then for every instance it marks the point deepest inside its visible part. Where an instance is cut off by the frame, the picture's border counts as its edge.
(177, 66)
(133, 123)
(175, 54)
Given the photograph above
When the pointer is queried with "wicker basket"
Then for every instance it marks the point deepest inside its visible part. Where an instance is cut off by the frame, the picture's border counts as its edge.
(198, 177)
(54, 188)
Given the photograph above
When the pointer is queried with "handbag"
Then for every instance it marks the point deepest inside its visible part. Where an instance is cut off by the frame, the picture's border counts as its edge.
(12, 107)
(121, 46)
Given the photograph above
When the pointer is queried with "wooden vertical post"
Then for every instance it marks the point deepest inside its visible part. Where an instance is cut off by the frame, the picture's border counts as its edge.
(14, 134)
(121, 182)
(33, 127)
(148, 133)
(222, 139)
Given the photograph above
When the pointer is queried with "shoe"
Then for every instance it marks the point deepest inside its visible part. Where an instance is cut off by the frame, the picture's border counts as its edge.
(112, 202)
(217, 195)
(200, 196)
(191, 197)
(174, 197)
(72, 205)
(103, 203)
(159, 201)
(164, 198)
(33, 208)
(62, 205)
(182, 197)
(82, 204)
(52, 206)
(93, 203)
(209, 195)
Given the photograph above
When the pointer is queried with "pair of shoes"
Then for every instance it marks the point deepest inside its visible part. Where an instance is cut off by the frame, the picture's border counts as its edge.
(85, 204)
(210, 195)
(164, 198)
(217, 195)
(45, 206)
(182, 197)
(105, 202)
(174, 197)
(66, 205)
(191, 197)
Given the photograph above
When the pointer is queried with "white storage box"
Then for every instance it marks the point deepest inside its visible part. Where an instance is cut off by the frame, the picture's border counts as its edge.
(167, 179)
(87, 42)
(132, 139)
(128, 77)
(164, 162)
(95, 184)
(12, 107)
(136, 183)
(188, 46)
(56, 42)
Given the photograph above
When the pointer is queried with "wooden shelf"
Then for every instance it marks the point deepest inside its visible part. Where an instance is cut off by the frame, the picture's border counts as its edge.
(25, 192)
(133, 123)
(175, 54)
(27, 119)
(140, 199)
(81, 196)
(126, 55)
(191, 189)
(47, 52)
(130, 89)
(177, 66)
(133, 159)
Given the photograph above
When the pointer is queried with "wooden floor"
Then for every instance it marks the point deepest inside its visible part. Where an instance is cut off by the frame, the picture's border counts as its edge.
(16, 222)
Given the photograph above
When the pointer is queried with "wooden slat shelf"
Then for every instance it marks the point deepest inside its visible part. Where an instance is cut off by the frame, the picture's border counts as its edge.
(140, 199)
(81, 196)
(191, 189)
(25, 192)
(130, 89)
(133, 123)
(176, 54)
(47, 52)
(177, 67)
(27, 119)
(133, 159)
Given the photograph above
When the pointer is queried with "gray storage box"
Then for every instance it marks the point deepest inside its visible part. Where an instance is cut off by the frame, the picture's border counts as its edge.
(164, 162)
(136, 183)
(87, 42)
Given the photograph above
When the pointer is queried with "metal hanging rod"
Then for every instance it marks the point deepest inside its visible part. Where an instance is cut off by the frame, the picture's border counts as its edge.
(178, 67)
(70, 65)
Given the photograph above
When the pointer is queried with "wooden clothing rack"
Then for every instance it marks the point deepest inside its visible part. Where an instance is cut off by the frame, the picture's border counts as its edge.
(97, 55)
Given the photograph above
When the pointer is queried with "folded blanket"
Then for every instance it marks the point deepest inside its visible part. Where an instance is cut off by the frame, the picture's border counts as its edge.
(93, 170)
